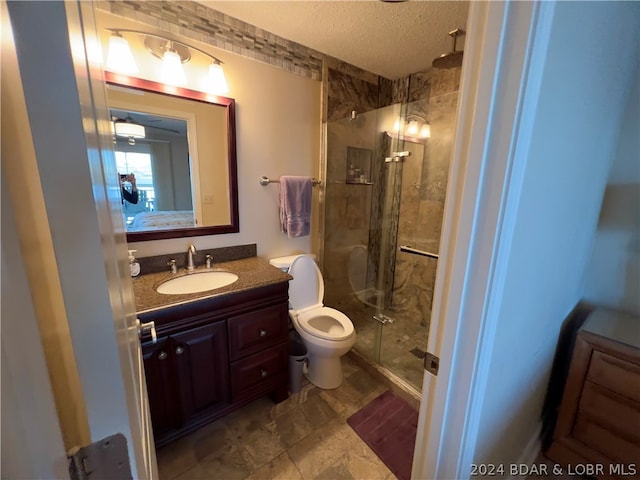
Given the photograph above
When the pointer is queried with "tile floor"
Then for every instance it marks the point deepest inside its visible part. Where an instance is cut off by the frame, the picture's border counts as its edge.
(303, 438)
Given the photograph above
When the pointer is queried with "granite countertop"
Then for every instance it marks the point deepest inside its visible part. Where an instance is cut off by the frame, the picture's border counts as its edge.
(252, 272)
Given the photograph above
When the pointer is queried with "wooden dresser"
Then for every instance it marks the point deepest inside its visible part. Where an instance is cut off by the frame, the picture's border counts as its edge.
(599, 417)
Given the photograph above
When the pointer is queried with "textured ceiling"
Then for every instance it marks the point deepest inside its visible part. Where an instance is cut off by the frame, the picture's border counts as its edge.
(392, 39)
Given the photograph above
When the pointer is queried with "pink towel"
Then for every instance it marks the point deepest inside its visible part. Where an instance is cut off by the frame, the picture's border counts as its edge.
(295, 205)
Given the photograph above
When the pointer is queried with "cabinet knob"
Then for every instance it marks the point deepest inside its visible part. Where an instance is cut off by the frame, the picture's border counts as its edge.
(162, 355)
(179, 351)
(263, 373)
(262, 333)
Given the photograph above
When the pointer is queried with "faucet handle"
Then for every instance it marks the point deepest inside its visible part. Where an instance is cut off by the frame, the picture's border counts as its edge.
(172, 263)
(208, 259)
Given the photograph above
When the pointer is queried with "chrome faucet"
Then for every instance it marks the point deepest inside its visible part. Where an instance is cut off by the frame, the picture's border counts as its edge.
(190, 251)
(207, 261)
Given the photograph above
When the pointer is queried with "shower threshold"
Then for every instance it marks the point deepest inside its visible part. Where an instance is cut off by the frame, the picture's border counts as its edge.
(397, 384)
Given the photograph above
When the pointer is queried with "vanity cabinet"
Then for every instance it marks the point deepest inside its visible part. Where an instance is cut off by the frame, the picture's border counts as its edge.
(214, 355)
(187, 375)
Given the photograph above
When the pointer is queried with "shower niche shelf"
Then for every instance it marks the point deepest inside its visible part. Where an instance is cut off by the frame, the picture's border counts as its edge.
(358, 167)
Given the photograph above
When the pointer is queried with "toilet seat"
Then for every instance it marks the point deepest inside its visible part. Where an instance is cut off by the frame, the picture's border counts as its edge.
(306, 293)
(325, 322)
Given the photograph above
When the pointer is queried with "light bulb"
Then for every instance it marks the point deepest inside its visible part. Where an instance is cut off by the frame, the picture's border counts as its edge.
(216, 82)
(172, 71)
(119, 58)
(425, 131)
(412, 129)
(396, 126)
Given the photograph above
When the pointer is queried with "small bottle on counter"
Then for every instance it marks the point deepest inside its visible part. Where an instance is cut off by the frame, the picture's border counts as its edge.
(133, 264)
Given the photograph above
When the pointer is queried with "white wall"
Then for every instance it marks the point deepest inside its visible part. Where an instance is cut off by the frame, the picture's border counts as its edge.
(613, 277)
(585, 84)
(278, 124)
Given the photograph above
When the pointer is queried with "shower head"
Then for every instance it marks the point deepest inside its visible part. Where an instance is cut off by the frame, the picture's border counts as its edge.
(451, 59)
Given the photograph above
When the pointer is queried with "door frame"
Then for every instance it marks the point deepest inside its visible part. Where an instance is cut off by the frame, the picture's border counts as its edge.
(505, 51)
(69, 131)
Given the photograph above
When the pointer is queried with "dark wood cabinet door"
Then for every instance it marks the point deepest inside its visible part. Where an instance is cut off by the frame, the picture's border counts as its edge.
(160, 386)
(202, 369)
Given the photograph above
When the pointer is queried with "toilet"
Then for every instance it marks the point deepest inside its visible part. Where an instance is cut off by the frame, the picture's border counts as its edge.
(327, 333)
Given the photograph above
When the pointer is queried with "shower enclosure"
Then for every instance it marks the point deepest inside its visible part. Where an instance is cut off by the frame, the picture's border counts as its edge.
(385, 189)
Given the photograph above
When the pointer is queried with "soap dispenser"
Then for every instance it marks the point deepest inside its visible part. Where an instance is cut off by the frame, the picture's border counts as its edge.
(133, 264)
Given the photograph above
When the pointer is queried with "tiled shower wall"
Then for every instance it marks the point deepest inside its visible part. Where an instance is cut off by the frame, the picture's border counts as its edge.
(424, 186)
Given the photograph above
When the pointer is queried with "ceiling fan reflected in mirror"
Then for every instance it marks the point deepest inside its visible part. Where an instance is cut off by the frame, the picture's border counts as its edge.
(127, 128)
(134, 126)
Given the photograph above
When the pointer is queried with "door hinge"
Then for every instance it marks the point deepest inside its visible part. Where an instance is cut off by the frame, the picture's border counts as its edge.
(106, 458)
(431, 363)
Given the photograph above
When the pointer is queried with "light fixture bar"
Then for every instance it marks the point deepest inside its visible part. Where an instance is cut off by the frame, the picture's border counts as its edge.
(177, 43)
(173, 54)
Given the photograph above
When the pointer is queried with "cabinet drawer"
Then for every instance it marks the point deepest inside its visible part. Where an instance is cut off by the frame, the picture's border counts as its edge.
(259, 368)
(251, 332)
(615, 374)
(601, 439)
(618, 415)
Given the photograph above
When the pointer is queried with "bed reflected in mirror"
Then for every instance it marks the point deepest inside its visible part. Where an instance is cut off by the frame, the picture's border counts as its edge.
(176, 152)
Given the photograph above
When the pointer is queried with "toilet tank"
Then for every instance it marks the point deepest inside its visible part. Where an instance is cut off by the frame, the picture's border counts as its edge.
(283, 263)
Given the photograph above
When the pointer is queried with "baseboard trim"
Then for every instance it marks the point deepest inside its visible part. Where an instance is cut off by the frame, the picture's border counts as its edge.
(529, 455)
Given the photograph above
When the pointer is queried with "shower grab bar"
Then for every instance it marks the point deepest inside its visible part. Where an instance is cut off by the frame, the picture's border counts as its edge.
(266, 181)
(415, 251)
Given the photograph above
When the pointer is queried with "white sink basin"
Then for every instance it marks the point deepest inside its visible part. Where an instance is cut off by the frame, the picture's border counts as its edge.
(196, 282)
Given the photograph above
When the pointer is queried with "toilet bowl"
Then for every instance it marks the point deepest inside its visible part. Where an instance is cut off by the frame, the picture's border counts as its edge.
(327, 333)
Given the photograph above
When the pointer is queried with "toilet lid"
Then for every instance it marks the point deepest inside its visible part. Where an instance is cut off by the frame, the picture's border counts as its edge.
(306, 289)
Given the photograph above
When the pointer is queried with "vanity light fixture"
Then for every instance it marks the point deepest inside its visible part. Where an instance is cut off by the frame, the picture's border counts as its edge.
(119, 58)
(414, 126)
(173, 54)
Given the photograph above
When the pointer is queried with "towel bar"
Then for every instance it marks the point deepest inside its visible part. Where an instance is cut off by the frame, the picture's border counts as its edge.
(266, 181)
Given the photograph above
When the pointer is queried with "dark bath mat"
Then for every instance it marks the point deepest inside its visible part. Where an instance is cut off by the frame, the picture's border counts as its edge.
(388, 425)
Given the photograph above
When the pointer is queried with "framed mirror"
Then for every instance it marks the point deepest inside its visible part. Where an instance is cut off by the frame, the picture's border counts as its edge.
(176, 156)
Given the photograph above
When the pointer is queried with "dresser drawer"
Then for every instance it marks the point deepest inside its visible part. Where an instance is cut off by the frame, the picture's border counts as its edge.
(617, 414)
(255, 331)
(604, 441)
(615, 374)
(259, 368)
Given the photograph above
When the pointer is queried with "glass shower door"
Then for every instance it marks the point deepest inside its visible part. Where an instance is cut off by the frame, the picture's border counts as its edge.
(408, 274)
(378, 224)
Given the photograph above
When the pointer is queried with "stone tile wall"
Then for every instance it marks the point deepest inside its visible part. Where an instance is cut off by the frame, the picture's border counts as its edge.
(423, 194)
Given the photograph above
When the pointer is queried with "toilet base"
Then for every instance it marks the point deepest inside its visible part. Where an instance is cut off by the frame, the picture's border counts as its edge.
(325, 372)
